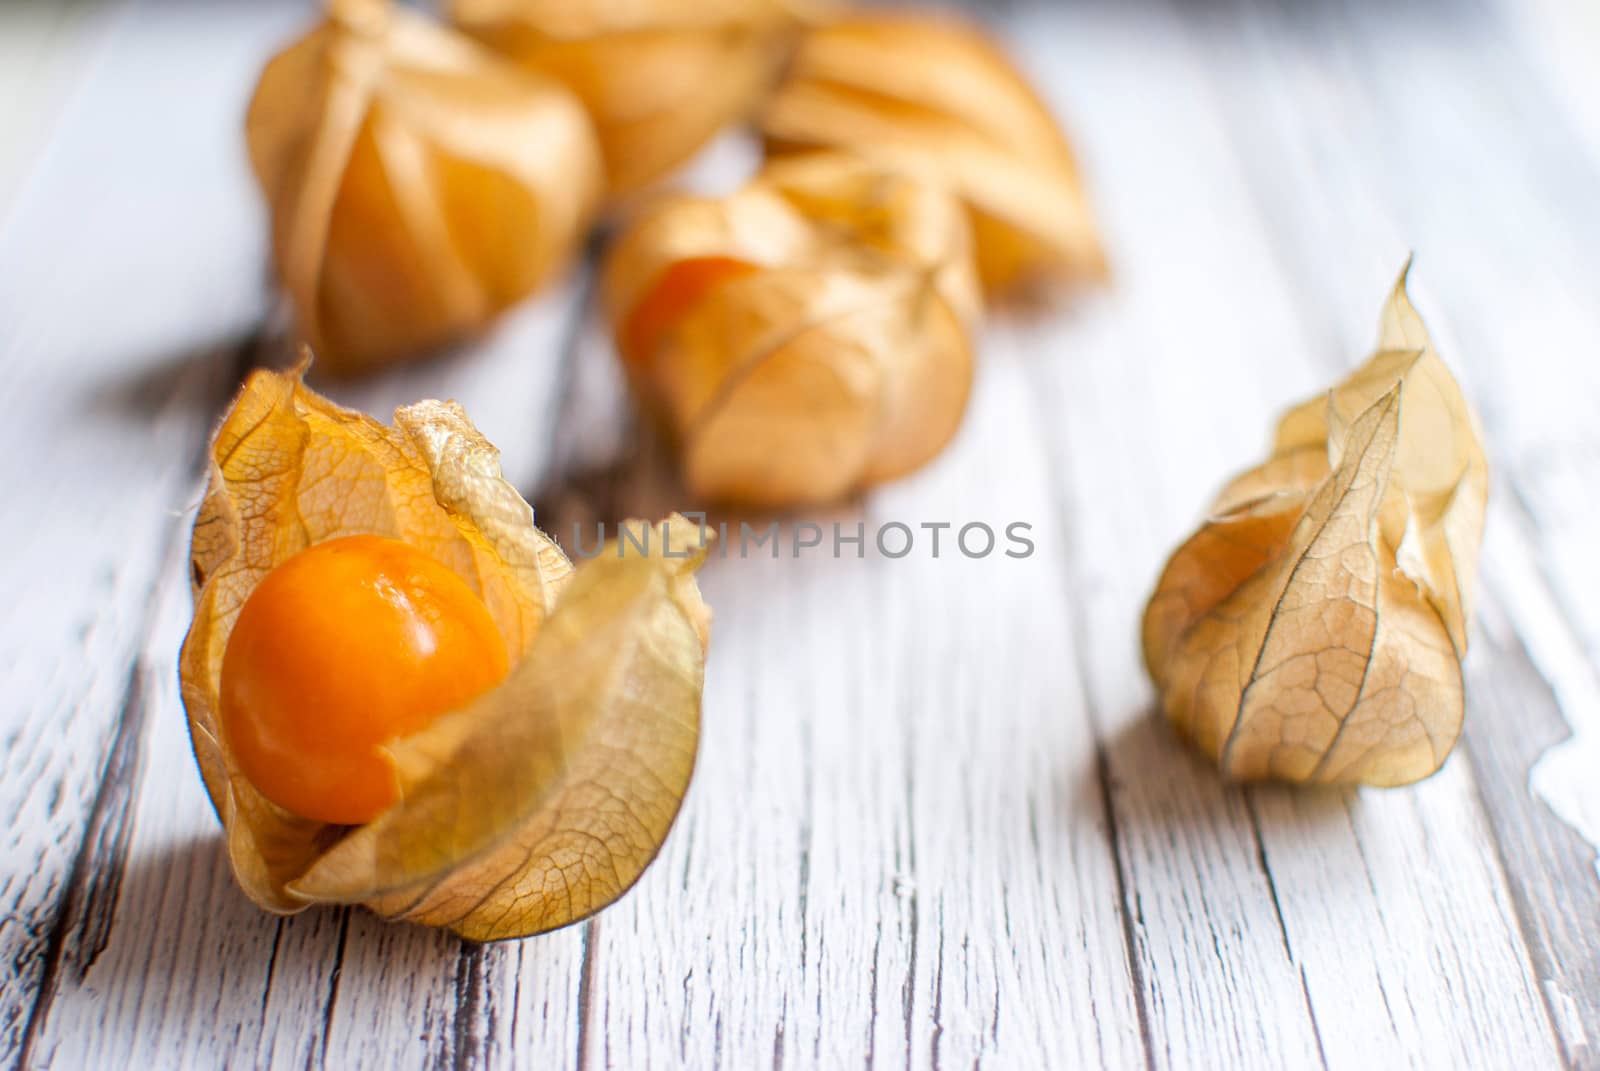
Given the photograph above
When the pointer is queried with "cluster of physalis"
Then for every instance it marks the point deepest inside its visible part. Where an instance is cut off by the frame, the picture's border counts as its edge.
(403, 695)
(423, 177)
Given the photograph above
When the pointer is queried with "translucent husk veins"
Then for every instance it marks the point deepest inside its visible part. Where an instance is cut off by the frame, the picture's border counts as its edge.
(540, 802)
(1312, 629)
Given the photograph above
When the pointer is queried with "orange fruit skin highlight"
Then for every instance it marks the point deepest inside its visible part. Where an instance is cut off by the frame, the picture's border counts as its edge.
(346, 646)
(677, 291)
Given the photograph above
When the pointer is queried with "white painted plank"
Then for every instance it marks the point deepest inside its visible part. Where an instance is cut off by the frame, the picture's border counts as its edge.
(1263, 911)
(1565, 35)
(895, 848)
(190, 972)
(1138, 452)
(45, 49)
(126, 276)
(165, 963)
(796, 913)
(898, 846)
(528, 1008)
(1530, 685)
(1506, 274)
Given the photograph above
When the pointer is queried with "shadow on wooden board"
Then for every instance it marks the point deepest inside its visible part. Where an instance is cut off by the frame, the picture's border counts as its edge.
(176, 951)
(1179, 790)
(138, 389)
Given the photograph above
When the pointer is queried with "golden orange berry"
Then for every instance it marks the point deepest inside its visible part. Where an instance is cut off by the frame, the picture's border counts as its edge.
(678, 290)
(344, 647)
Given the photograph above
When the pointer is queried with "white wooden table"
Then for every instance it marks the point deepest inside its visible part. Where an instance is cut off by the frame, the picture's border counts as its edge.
(936, 821)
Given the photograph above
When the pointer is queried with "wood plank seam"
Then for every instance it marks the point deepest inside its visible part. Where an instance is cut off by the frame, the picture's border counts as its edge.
(464, 1044)
(466, 1033)
(331, 1003)
(1526, 926)
(1283, 926)
(88, 901)
(908, 986)
(586, 969)
(1564, 972)
(1127, 905)
(1280, 233)
(1127, 909)
(470, 986)
(272, 968)
(89, 896)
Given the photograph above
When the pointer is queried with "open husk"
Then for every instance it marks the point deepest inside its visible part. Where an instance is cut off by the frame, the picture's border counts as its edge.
(659, 77)
(541, 801)
(418, 184)
(1312, 629)
(930, 91)
(804, 337)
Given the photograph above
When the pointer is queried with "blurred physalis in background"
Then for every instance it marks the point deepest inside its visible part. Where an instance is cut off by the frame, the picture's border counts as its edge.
(421, 180)
(809, 335)
(418, 184)
(659, 78)
(929, 91)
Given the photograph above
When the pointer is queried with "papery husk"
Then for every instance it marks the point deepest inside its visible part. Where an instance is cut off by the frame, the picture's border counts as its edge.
(1312, 629)
(418, 184)
(936, 93)
(659, 78)
(839, 355)
(544, 799)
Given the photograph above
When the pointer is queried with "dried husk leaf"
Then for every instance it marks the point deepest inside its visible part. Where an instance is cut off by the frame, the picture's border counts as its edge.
(418, 184)
(1312, 629)
(659, 77)
(804, 337)
(929, 91)
(544, 799)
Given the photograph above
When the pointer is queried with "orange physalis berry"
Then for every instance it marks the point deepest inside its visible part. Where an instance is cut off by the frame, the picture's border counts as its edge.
(346, 646)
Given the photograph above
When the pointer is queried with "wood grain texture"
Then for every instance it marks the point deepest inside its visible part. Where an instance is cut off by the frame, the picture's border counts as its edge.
(935, 821)
(1438, 101)
(1520, 721)
(119, 318)
(1211, 356)
(157, 944)
(896, 846)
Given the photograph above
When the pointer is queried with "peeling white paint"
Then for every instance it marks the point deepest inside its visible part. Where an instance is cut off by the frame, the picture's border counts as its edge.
(1566, 777)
